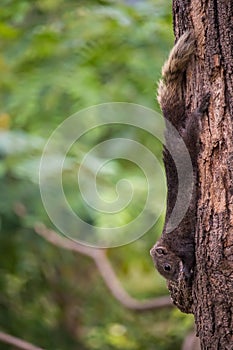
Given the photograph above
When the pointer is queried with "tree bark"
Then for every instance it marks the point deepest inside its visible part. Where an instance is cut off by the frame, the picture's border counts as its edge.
(211, 71)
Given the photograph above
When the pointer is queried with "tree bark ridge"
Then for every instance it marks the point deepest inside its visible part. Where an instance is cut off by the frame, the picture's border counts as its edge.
(211, 71)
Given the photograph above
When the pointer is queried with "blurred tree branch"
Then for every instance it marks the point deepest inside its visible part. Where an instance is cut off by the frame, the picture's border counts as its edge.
(105, 269)
(191, 342)
(19, 343)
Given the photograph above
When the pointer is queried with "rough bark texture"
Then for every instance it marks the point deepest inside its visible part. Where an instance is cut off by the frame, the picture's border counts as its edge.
(211, 70)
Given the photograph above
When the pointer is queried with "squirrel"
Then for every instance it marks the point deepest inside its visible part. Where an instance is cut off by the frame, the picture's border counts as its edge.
(174, 253)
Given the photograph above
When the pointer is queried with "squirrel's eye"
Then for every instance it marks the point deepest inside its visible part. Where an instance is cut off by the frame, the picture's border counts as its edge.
(167, 267)
(160, 251)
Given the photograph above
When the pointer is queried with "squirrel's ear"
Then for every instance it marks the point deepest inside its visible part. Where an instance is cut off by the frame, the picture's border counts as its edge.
(161, 250)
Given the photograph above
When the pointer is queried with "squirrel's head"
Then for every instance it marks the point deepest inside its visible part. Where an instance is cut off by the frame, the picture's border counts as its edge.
(166, 262)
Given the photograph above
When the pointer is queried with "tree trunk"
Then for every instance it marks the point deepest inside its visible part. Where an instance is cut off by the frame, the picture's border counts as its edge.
(212, 71)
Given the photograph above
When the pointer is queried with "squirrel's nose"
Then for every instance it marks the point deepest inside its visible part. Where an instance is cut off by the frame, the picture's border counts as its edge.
(152, 251)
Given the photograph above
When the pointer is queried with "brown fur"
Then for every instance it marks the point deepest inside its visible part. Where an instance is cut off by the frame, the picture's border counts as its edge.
(170, 86)
(173, 254)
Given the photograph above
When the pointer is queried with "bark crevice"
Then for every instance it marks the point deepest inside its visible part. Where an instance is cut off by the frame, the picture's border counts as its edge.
(211, 299)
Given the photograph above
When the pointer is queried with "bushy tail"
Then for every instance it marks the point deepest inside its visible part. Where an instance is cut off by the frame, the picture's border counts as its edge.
(169, 90)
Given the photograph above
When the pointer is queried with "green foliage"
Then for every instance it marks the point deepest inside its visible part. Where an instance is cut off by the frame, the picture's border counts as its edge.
(61, 56)
(57, 57)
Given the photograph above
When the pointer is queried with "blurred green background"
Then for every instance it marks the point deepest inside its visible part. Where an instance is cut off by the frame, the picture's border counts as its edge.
(58, 57)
